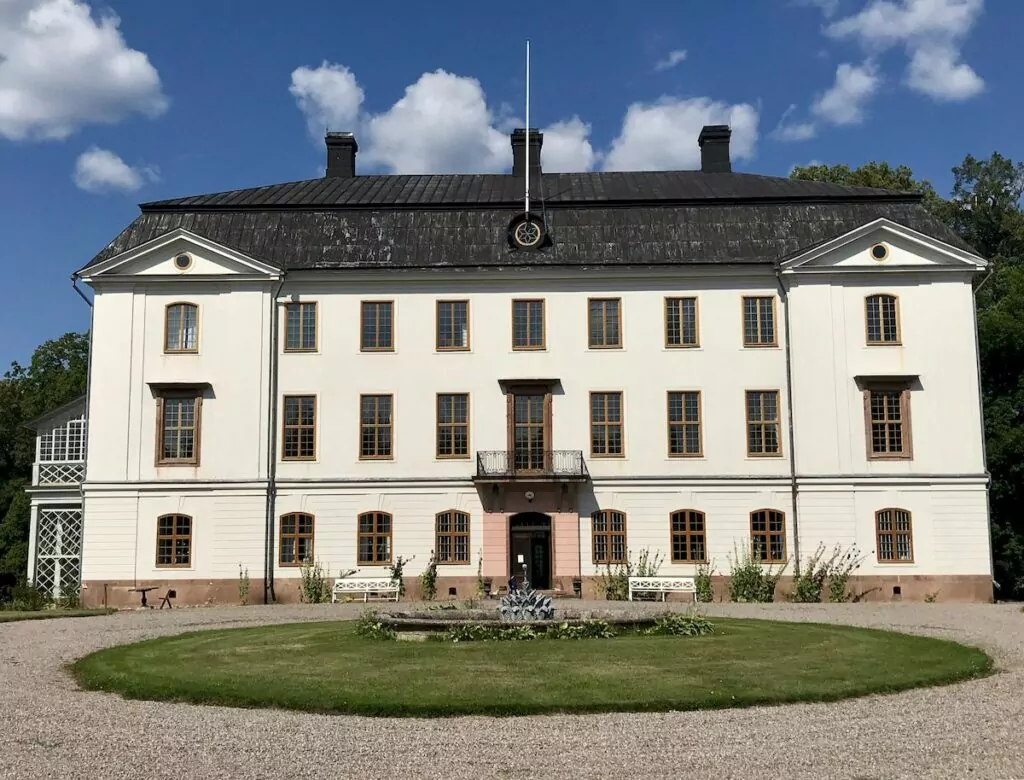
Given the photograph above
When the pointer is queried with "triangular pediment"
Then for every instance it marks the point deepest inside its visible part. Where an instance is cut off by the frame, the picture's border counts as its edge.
(883, 245)
(180, 254)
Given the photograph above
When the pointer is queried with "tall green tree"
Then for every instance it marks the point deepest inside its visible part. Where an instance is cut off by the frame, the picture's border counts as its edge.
(984, 209)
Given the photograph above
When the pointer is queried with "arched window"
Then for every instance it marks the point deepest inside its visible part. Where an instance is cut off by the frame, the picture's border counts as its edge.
(181, 328)
(689, 544)
(768, 534)
(894, 535)
(452, 537)
(173, 541)
(882, 319)
(608, 536)
(296, 546)
(374, 538)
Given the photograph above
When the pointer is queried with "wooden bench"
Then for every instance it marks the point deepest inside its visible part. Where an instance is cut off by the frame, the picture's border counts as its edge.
(662, 585)
(382, 588)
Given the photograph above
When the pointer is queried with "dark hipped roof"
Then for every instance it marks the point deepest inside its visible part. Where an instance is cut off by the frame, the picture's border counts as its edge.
(449, 221)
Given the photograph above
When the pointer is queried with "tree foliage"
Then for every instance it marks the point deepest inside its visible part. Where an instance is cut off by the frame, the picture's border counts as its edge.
(984, 209)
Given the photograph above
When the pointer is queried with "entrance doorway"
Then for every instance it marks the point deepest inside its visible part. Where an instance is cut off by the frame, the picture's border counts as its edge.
(530, 538)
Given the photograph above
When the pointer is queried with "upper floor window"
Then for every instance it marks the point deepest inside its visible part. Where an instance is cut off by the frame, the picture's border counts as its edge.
(606, 425)
(452, 326)
(374, 542)
(178, 415)
(768, 535)
(608, 536)
(452, 537)
(882, 319)
(681, 322)
(296, 545)
(375, 426)
(527, 324)
(759, 322)
(684, 424)
(887, 412)
(181, 329)
(453, 425)
(604, 317)
(894, 536)
(688, 536)
(300, 327)
(377, 326)
(65, 442)
(299, 427)
(763, 422)
(173, 541)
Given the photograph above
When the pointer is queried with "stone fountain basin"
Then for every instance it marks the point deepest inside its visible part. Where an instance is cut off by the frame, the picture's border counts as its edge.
(442, 620)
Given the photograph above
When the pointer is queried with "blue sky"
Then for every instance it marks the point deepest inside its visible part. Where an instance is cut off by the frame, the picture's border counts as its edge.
(104, 105)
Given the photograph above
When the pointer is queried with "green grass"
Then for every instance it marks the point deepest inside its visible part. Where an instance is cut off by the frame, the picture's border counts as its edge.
(325, 667)
(49, 614)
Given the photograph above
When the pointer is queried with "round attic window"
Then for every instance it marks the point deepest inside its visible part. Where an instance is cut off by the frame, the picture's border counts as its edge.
(183, 261)
(879, 251)
(527, 233)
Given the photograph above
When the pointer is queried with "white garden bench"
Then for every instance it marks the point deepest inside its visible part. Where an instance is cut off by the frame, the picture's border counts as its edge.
(381, 588)
(662, 585)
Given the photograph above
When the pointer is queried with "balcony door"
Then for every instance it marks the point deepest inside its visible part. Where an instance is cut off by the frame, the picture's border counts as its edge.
(529, 425)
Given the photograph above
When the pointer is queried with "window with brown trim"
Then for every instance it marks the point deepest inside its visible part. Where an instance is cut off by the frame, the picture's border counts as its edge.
(763, 423)
(606, 439)
(887, 413)
(173, 541)
(689, 544)
(684, 434)
(181, 327)
(681, 328)
(452, 326)
(300, 327)
(453, 425)
(178, 423)
(894, 534)
(374, 538)
(377, 326)
(296, 545)
(604, 323)
(608, 536)
(298, 441)
(528, 330)
(452, 537)
(882, 319)
(768, 535)
(759, 322)
(375, 426)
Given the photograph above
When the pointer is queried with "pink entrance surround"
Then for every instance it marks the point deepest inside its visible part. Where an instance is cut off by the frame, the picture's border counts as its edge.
(565, 545)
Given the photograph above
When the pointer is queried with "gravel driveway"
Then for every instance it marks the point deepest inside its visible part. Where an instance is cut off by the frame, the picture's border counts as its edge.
(50, 729)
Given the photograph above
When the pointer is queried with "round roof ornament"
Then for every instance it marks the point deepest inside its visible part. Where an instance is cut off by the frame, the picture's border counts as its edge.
(528, 233)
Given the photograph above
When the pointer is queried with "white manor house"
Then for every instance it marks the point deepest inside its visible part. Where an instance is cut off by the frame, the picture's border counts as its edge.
(360, 367)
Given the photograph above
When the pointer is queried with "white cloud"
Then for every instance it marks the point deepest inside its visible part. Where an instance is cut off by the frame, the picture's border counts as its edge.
(673, 58)
(60, 69)
(786, 130)
(843, 103)
(100, 170)
(930, 31)
(567, 147)
(663, 135)
(329, 96)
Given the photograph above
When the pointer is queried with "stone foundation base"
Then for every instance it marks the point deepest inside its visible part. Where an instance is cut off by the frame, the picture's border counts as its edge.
(870, 588)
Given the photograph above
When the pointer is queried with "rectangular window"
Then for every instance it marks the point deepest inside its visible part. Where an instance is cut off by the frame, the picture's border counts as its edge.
(763, 422)
(377, 326)
(178, 424)
(768, 535)
(296, 539)
(300, 327)
(374, 538)
(604, 323)
(888, 423)
(453, 425)
(375, 426)
(452, 537)
(608, 537)
(181, 330)
(681, 322)
(759, 322)
(173, 541)
(606, 425)
(895, 542)
(882, 320)
(528, 324)
(688, 541)
(299, 424)
(684, 437)
(452, 326)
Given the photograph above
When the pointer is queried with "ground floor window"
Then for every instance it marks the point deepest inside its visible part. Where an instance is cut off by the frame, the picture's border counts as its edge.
(608, 536)
(688, 542)
(895, 538)
(768, 535)
(296, 538)
(452, 537)
(375, 538)
(174, 540)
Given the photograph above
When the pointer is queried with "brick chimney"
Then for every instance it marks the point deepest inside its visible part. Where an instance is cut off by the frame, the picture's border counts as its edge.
(341, 155)
(714, 149)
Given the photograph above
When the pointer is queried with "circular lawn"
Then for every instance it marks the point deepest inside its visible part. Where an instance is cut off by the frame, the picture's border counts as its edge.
(326, 667)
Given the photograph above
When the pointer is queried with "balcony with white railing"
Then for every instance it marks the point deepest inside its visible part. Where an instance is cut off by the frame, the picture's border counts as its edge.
(69, 472)
(60, 454)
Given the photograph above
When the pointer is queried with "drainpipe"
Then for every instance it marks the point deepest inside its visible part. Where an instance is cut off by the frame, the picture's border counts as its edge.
(981, 414)
(268, 561)
(793, 488)
(85, 433)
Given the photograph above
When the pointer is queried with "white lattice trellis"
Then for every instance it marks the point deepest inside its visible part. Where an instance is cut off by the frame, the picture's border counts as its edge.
(61, 473)
(58, 550)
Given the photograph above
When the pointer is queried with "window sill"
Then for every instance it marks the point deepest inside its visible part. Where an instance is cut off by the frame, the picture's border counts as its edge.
(173, 567)
(672, 458)
(164, 464)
